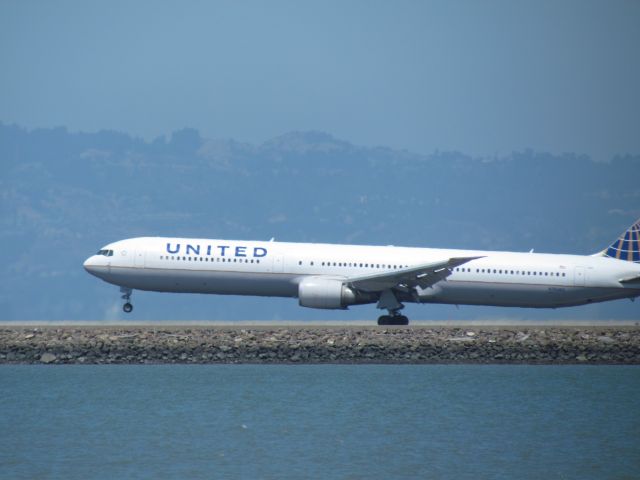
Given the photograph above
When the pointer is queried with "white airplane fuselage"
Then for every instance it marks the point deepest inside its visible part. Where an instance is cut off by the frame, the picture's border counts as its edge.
(278, 269)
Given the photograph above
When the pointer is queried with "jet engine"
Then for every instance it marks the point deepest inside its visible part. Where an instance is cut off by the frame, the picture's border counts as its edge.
(320, 292)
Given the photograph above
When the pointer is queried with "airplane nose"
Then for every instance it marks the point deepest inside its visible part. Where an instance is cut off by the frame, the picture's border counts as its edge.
(89, 265)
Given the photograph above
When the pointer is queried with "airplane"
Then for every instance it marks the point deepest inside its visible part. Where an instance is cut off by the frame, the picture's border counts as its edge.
(329, 276)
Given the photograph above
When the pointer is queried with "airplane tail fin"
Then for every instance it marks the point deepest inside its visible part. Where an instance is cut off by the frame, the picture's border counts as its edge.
(627, 246)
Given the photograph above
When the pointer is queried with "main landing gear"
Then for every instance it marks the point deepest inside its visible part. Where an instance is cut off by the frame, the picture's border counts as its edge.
(389, 302)
(126, 296)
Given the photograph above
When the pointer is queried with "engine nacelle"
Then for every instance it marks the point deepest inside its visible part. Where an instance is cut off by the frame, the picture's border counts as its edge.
(320, 292)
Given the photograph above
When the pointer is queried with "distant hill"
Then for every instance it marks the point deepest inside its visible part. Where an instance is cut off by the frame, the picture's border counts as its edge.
(66, 194)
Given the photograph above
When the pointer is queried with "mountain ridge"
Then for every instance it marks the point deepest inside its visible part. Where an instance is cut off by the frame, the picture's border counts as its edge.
(70, 193)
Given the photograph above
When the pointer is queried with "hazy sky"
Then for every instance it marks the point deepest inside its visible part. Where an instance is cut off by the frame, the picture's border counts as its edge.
(480, 77)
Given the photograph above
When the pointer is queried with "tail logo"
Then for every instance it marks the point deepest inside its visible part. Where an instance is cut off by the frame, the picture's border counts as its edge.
(627, 247)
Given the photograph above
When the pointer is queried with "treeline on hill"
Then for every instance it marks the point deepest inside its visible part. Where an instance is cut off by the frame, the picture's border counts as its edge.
(66, 194)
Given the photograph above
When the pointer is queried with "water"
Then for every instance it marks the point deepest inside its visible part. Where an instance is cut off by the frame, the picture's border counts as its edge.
(320, 421)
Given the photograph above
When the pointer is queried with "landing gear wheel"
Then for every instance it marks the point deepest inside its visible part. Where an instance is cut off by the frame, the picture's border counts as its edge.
(126, 296)
(393, 320)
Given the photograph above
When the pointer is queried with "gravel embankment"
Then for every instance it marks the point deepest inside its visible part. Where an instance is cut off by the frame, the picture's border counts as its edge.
(146, 344)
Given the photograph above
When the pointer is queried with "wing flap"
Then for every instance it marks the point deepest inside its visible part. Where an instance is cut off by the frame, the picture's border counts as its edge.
(423, 276)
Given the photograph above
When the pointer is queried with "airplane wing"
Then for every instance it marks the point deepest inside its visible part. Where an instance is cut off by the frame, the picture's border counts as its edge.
(420, 276)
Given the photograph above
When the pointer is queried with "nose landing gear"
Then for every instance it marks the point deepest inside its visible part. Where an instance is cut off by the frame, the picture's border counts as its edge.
(126, 296)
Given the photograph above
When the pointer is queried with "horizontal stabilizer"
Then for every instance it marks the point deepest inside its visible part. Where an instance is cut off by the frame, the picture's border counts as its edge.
(631, 280)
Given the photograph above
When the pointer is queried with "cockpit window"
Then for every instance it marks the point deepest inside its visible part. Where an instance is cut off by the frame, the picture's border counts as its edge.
(105, 253)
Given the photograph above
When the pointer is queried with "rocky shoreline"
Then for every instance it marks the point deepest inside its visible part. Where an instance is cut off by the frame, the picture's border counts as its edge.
(402, 345)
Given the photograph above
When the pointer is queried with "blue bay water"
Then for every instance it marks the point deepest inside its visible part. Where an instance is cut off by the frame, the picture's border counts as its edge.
(320, 421)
